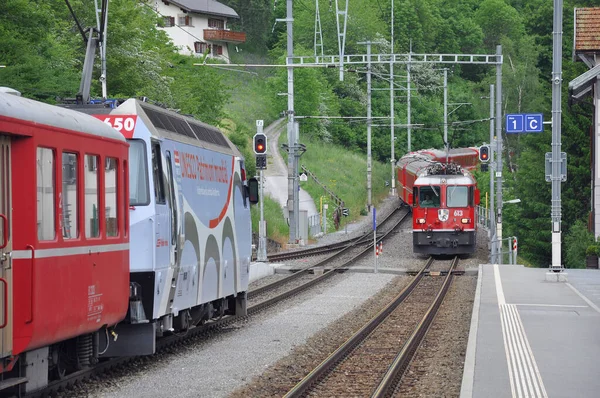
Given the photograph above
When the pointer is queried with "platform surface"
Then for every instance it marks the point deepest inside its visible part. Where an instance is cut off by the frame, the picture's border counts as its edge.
(533, 338)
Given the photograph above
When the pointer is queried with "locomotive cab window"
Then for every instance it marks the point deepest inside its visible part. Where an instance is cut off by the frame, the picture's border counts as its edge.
(157, 174)
(457, 196)
(429, 196)
(138, 174)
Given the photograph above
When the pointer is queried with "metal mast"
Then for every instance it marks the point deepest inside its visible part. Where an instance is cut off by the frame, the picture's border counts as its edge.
(556, 134)
(292, 204)
(499, 150)
(491, 213)
(446, 112)
(392, 112)
(318, 33)
(369, 121)
(408, 118)
(341, 32)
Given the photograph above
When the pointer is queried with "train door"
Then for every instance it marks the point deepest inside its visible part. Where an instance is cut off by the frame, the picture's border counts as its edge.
(163, 214)
(6, 330)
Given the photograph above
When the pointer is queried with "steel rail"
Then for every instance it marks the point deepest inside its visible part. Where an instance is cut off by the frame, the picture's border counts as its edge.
(174, 339)
(349, 345)
(395, 372)
(306, 270)
(327, 248)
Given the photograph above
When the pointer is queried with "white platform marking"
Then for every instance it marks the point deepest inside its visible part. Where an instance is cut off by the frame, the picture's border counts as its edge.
(594, 306)
(524, 375)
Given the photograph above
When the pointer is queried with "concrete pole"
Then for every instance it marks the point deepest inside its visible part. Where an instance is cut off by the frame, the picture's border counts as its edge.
(499, 152)
(492, 234)
(556, 134)
(369, 201)
(290, 128)
(408, 118)
(446, 146)
(392, 114)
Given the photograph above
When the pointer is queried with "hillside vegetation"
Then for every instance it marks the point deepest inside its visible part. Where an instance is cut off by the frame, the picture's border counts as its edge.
(43, 51)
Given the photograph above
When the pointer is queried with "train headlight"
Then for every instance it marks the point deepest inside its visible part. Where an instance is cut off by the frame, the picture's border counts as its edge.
(466, 220)
(420, 221)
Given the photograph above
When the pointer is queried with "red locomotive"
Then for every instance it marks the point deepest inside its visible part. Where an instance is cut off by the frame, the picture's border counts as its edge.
(64, 244)
(443, 196)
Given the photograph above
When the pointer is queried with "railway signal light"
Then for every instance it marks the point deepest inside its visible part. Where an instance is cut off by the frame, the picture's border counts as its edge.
(260, 143)
(261, 162)
(484, 153)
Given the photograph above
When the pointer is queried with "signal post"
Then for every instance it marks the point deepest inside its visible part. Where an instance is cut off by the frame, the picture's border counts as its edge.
(260, 149)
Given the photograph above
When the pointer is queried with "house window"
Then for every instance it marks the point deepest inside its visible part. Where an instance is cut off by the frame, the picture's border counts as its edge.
(216, 23)
(184, 20)
(169, 21)
(200, 47)
(217, 50)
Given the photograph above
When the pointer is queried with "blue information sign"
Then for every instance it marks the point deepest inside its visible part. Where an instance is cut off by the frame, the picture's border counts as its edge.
(524, 123)
(534, 123)
(514, 124)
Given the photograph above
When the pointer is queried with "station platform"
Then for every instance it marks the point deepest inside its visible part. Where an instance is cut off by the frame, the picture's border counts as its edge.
(533, 336)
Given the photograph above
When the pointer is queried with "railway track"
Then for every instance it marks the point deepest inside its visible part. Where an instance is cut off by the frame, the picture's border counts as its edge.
(373, 360)
(344, 253)
(366, 238)
(305, 278)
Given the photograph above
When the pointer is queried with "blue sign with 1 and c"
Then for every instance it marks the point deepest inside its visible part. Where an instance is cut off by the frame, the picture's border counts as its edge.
(524, 123)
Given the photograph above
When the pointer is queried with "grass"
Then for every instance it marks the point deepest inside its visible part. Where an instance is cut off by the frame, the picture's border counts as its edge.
(343, 172)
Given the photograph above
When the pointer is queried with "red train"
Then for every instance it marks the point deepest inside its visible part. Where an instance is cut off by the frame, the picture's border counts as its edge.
(64, 250)
(443, 195)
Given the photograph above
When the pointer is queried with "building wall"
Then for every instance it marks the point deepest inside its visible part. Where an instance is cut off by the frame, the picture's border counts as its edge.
(185, 36)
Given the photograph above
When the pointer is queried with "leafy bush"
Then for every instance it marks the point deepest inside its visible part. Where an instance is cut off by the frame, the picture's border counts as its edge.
(578, 244)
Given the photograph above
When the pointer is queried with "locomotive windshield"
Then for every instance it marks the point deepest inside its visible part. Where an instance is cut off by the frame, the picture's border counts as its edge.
(138, 175)
(457, 196)
(429, 196)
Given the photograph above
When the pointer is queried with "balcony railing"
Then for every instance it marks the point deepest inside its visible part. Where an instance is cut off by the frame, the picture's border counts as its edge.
(224, 35)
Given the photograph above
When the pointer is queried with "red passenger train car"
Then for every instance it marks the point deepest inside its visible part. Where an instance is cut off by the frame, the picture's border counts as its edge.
(64, 245)
(443, 197)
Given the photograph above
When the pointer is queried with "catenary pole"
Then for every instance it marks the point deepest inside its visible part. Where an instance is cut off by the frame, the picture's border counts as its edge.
(491, 213)
(293, 216)
(556, 134)
(498, 170)
(392, 114)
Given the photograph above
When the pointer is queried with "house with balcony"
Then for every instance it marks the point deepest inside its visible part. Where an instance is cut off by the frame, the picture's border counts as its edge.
(199, 27)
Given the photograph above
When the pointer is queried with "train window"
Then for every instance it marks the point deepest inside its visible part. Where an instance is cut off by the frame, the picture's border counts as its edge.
(125, 199)
(69, 196)
(110, 196)
(457, 196)
(45, 194)
(138, 174)
(92, 227)
(429, 196)
(172, 200)
(157, 174)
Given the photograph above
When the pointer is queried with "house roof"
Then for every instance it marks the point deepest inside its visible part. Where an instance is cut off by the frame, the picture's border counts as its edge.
(587, 30)
(210, 7)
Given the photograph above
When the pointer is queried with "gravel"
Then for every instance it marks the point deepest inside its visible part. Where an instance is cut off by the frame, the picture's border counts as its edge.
(285, 341)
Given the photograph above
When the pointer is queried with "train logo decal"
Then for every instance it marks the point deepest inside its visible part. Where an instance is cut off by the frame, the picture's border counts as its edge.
(443, 214)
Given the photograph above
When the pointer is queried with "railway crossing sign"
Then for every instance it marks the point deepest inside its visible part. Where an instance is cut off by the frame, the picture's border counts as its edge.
(524, 123)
